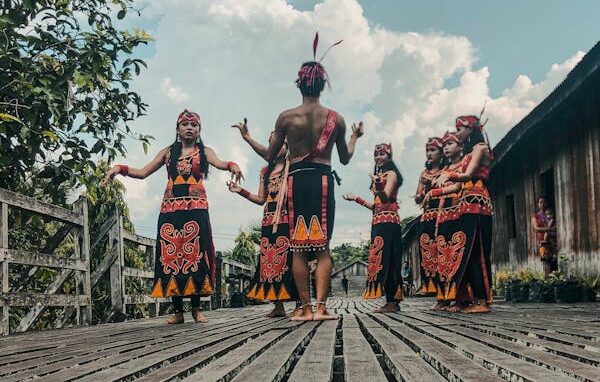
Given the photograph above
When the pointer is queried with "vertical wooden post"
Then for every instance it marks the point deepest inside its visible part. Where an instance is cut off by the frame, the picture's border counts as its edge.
(84, 248)
(154, 308)
(5, 327)
(218, 278)
(115, 238)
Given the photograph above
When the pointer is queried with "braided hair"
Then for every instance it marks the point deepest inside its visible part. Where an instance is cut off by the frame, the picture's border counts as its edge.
(175, 152)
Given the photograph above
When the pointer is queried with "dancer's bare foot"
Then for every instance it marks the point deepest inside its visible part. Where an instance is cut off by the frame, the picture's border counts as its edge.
(306, 314)
(477, 307)
(278, 311)
(176, 319)
(322, 314)
(297, 311)
(198, 317)
(457, 307)
(441, 305)
(390, 307)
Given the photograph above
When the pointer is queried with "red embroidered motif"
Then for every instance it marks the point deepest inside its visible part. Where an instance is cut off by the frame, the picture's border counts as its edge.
(375, 255)
(451, 254)
(184, 167)
(180, 249)
(429, 255)
(273, 259)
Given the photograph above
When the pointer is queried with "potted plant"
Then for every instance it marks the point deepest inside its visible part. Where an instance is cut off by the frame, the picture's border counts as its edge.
(558, 283)
(589, 286)
(546, 292)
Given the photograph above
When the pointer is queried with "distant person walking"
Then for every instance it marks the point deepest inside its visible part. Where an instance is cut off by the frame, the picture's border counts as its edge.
(345, 285)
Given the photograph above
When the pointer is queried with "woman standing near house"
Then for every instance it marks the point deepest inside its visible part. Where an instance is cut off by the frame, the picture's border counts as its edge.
(446, 225)
(384, 271)
(474, 239)
(545, 234)
(273, 279)
(433, 167)
(185, 255)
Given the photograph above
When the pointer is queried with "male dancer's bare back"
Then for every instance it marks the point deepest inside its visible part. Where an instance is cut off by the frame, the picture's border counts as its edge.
(302, 126)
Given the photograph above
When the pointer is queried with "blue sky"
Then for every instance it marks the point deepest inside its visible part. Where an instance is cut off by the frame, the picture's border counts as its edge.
(511, 37)
(406, 68)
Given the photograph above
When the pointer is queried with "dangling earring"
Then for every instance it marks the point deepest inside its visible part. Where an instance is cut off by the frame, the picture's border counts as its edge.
(177, 139)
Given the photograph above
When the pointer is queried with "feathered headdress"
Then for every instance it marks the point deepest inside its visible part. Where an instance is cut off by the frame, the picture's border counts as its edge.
(472, 121)
(311, 71)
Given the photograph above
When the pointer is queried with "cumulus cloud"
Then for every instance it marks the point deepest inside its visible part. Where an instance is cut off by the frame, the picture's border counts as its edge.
(229, 59)
(174, 93)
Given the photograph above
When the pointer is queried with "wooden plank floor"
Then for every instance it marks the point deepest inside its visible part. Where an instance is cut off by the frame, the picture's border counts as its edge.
(516, 342)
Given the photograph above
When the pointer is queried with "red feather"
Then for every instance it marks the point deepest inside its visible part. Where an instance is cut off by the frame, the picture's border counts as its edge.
(328, 49)
(315, 44)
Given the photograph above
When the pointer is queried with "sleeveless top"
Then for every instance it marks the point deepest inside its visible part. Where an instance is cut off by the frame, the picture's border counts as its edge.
(427, 179)
(185, 188)
(386, 212)
(475, 197)
(450, 210)
(272, 191)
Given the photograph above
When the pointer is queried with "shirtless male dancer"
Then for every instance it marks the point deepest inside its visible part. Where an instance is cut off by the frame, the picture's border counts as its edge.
(311, 131)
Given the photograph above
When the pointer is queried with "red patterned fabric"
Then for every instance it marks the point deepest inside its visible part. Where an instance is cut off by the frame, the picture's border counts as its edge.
(434, 142)
(385, 148)
(188, 116)
(469, 121)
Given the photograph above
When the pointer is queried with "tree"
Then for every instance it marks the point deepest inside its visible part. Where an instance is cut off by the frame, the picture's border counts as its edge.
(64, 90)
(103, 201)
(246, 245)
(346, 253)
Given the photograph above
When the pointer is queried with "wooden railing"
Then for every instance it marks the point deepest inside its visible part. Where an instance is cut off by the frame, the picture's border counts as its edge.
(76, 265)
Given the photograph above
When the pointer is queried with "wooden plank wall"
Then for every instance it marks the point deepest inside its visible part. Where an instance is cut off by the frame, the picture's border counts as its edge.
(569, 144)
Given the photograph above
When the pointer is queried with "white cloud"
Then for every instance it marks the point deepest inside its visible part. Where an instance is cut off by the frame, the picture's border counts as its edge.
(229, 59)
(174, 93)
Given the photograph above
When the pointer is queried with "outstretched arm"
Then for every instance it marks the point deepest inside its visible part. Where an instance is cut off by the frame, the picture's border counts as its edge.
(256, 146)
(256, 199)
(353, 198)
(277, 139)
(346, 150)
(214, 160)
(139, 173)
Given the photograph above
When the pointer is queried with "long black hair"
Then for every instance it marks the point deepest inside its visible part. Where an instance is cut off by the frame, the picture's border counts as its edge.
(474, 138)
(175, 152)
(389, 166)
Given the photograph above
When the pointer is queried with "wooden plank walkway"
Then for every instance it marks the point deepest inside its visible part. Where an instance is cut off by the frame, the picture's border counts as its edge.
(518, 342)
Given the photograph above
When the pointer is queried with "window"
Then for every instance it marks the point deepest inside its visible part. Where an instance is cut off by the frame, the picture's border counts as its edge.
(510, 216)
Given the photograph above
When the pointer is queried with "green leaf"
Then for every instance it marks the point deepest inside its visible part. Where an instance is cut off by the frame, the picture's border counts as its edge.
(145, 146)
(50, 134)
(9, 118)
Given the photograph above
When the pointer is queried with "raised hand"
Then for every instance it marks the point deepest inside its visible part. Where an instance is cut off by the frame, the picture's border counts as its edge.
(242, 127)
(358, 130)
(349, 196)
(110, 174)
(236, 173)
(233, 186)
